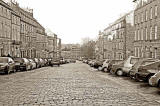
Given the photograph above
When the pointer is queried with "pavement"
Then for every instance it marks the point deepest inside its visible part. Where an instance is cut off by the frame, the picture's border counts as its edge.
(74, 84)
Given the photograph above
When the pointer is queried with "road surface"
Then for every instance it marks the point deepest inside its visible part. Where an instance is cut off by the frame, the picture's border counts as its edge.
(74, 84)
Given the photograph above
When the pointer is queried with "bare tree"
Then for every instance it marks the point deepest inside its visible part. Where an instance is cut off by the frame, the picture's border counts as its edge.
(88, 48)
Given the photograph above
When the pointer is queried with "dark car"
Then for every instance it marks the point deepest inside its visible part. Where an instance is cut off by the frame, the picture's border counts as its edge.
(55, 62)
(7, 65)
(124, 67)
(22, 64)
(141, 62)
(145, 72)
(98, 63)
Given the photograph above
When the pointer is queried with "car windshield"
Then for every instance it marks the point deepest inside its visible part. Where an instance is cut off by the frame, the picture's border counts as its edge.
(147, 62)
(18, 60)
(3, 60)
(142, 62)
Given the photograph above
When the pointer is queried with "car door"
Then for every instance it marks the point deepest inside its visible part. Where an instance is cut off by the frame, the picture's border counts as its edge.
(11, 64)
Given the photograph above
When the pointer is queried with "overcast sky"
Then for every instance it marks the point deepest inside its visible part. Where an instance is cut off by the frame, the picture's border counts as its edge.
(73, 20)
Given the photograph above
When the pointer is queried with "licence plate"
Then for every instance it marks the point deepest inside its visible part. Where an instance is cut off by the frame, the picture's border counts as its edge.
(17, 64)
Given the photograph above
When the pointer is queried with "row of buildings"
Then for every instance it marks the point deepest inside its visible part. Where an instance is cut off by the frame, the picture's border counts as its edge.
(136, 33)
(21, 35)
(71, 51)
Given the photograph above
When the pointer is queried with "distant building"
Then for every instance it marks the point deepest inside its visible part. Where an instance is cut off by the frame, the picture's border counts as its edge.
(117, 38)
(71, 51)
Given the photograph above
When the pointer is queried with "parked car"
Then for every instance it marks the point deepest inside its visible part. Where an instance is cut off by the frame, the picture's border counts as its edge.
(92, 63)
(37, 62)
(63, 61)
(141, 62)
(124, 67)
(22, 64)
(73, 61)
(42, 63)
(105, 65)
(155, 80)
(98, 63)
(145, 72)
(7, 65)
(68, 60)
(33, 64)
(55, 62)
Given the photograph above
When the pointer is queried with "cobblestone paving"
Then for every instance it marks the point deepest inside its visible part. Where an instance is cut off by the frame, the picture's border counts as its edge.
(73, 85)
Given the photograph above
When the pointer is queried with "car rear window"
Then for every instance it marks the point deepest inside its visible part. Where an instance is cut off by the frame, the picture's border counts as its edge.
(25, 60)
(3, 60)
(18, 60)
(147, 62)
(134, 60)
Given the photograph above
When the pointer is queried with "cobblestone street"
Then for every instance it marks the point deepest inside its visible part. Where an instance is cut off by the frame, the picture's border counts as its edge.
(74, 84)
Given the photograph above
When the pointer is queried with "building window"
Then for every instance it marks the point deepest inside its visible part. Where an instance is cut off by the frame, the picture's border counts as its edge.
(135, 36)
(142, 17)
(142, 34)
(138, 52)
(151, 13)
(138, 35)
(155, 52)
(151, 33)
(155, 32)
(146, 34)
(146, 14)
(156, 10)
(135, 17)
(135, 51)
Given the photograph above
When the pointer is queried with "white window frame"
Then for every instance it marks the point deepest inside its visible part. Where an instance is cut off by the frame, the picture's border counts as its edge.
(135, 36)
(146, 33)
(156, 10)
(146, 15)
(142, 34)
(151, 13)
(151, 33)
(156, 29)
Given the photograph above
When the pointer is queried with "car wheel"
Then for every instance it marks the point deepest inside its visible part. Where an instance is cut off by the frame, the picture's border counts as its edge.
(26, 68)
(7, 71)
(148, 77)
(119, 72)
(14, 70)
(99, 68)
(105, 69)
(136, 77)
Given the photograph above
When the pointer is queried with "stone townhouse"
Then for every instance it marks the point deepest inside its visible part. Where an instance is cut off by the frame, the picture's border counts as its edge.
(21, 35)
(41, 41)
(54, 46)
(28, 33)
(50, 46)
(15, 30)
(118, 38)
(147, 25)
(5, 28)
